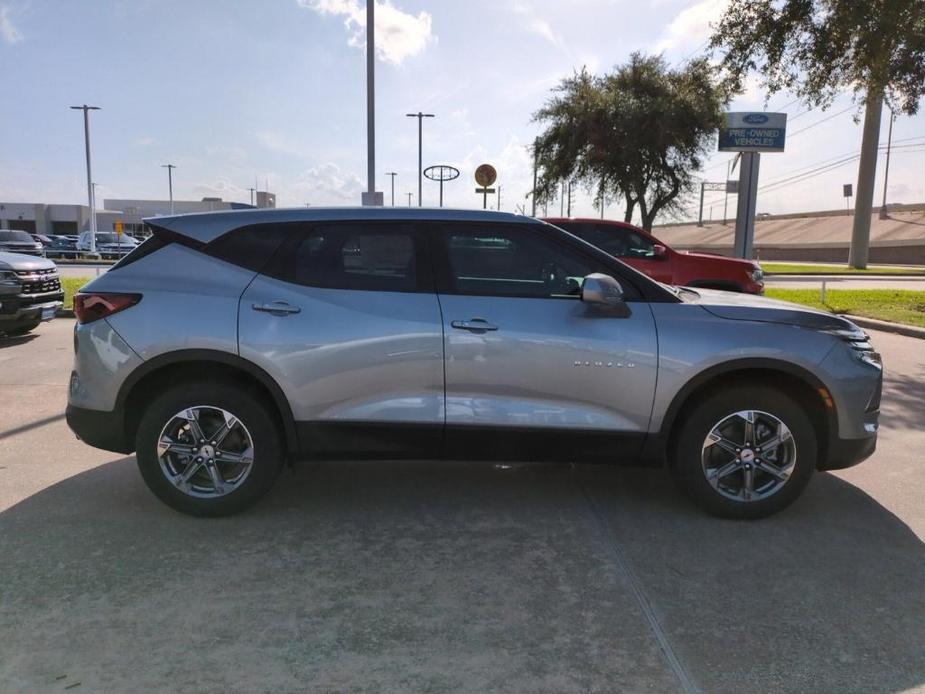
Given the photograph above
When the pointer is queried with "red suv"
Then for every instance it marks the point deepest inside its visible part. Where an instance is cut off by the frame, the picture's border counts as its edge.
(659, 261)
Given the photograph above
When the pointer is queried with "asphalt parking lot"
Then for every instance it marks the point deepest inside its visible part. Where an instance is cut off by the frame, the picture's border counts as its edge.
(451, 577)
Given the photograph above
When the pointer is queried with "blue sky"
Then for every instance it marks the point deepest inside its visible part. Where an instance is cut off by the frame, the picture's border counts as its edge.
(229, 90)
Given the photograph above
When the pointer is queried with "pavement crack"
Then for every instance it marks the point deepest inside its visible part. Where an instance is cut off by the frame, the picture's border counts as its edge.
(616, 550)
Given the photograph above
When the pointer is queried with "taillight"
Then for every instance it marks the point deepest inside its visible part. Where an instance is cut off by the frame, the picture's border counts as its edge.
(91, 307)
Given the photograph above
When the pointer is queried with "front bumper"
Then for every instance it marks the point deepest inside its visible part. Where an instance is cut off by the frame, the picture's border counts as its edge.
(99, 428)
(844, 453)
(19, 310)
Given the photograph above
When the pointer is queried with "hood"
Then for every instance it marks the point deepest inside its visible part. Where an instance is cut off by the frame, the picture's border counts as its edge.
(736, 306)
(19, 262)
(725, 258)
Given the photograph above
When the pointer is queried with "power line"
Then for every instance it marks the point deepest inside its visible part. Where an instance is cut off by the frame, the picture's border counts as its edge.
(819, 122)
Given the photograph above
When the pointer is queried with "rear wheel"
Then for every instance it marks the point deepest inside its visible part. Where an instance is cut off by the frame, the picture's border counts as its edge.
(208, 449)
(745, 452)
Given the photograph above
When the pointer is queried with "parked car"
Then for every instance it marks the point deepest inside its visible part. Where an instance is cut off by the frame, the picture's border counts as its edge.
(30, 292)
(231, 342)
(62, 247)
(16, 241)
(658, 260)
(42, 239)
(108, 244)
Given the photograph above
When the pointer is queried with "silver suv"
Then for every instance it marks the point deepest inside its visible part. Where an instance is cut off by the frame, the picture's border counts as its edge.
(231, 343)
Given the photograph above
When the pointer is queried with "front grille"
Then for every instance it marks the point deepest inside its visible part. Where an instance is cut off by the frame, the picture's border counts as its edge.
(39, 281)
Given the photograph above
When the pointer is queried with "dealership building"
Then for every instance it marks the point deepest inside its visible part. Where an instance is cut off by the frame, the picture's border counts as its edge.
(44, 218)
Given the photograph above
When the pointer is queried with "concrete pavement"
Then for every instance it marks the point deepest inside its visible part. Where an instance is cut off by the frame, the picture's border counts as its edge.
(451, 577)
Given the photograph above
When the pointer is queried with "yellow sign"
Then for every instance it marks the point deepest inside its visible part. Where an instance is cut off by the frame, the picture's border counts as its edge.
(119, 228)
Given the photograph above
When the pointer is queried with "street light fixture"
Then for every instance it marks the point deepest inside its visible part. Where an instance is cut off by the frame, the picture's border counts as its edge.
(86, 109)
(170, 168)
(420, 116)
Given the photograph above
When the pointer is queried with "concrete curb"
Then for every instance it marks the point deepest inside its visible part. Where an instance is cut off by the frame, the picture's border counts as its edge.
(847, 275)
(887, 326)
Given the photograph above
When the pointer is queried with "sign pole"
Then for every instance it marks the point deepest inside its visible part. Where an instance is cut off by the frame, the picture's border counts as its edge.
(747, 202)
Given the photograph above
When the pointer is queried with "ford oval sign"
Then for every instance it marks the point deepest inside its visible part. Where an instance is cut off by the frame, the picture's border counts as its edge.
(755, 119)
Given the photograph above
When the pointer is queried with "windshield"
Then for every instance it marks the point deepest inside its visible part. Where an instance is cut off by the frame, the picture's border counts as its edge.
(113, 238)
(18, 236)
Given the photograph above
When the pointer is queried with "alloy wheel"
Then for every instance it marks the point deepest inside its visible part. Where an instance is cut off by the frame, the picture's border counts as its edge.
(749, 455)
(205, 451)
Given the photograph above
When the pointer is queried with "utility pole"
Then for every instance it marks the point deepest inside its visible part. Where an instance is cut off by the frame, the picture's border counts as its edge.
(886, 170)
(562, 201)
(533, 194)
(867, 170)
(86, 109)
(420, 116)
(499, 199)
(569, 211)
(700, 214)
(726, 199)
(409, 198)
(393, 174)
(170, 168)
(252, 194)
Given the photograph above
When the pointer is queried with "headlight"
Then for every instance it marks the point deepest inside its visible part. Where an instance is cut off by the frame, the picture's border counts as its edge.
(8, 279)
(859, 342)
(757, 273)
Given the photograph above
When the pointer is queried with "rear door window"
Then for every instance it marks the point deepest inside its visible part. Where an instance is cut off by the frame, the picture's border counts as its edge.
(387, 257)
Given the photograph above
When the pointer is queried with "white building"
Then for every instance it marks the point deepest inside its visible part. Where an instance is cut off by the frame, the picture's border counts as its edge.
(43, 218)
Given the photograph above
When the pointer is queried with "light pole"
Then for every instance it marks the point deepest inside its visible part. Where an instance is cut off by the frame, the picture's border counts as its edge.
(886, 171)
(393, 175)
(86, 109)
(371, 197)
(409, 198)
(420, 116)
(533, 195)
(252, 194)
(170, 168)
(93, 211)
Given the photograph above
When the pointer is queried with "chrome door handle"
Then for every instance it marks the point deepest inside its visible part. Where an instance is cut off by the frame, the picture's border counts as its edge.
(277, 308)
(474, 324)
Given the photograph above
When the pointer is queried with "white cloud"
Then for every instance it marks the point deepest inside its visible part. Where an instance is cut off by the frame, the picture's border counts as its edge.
(399, 35)
(535, 24)
(326, 184)
(8, 31)
(691, 27)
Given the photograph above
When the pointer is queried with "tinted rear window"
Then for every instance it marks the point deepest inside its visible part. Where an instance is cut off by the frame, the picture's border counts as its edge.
(147, 247)
(252, 246)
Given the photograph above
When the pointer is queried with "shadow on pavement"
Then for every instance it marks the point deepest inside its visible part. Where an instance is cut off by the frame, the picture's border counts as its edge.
(437, 576)
(15, 340)
(903, 400)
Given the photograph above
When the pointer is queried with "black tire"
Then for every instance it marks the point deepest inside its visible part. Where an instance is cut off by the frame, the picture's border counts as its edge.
(687, 465)
(22, 330)
(251, 410)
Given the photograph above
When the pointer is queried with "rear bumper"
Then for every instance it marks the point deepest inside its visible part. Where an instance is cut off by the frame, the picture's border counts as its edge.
(844, 453)
(99, 428)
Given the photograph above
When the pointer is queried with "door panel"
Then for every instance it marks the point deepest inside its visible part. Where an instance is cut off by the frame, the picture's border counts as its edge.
(550, 363)
(522, 350)
(347, 351)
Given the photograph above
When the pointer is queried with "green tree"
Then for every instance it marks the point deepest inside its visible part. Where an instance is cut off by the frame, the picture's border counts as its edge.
(820, 48)
(638, 133)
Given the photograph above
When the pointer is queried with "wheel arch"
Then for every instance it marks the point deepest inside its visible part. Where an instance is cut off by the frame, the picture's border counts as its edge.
(795, 380)
(164, 370)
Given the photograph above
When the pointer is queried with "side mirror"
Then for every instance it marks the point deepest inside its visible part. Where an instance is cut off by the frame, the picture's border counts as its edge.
(661, 253)
(602, 290)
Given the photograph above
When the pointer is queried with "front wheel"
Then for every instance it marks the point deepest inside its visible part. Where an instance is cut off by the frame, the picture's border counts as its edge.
(745, 452)
(208, 449)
